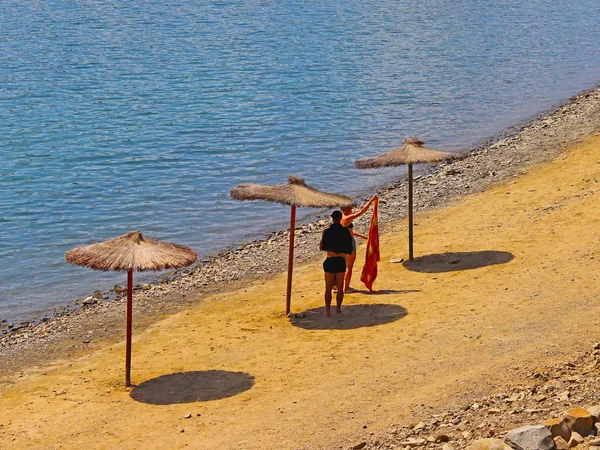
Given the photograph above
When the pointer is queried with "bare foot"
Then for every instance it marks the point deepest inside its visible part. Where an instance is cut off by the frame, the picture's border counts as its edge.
(338, 312)
(351, 290)
(328, 312)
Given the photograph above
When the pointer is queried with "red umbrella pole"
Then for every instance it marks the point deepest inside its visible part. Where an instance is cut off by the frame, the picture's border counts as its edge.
(129, 320)
(410, 212)
(288, 297)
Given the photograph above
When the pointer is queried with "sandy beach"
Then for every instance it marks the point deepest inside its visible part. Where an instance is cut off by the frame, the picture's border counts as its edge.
(505, 282)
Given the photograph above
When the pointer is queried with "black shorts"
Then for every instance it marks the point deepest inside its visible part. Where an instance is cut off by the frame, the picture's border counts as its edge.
(335, 264)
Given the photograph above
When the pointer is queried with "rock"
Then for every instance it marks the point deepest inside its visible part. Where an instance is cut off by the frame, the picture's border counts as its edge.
(560, 443)
(559, 427)
(396, 260)
(359, 446)
(534, 437)
(580, 420)
(419, 426)
(575, 440)
(413, 442)
(594, 412)
(513, 398)
(442, 438)
(187, 416)
(453, 171)
(447, 447)
(488, 444)
(90, 300)
(119, 290)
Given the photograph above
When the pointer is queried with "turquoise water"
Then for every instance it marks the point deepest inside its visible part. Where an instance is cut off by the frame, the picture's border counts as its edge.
(116, 115)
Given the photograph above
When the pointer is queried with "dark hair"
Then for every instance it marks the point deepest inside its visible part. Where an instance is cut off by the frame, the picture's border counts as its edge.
(336, 215)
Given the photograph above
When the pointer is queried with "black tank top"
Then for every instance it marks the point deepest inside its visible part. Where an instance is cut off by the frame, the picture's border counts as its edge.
(338, 239)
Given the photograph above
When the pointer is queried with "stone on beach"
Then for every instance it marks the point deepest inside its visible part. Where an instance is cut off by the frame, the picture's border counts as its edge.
(580, 420)
(560, 443)
(413, 442)
(559, 427)
(531, 437)
(594, 412)
(576, 439)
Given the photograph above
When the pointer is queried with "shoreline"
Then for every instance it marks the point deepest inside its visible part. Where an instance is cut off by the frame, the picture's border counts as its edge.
(499, 158)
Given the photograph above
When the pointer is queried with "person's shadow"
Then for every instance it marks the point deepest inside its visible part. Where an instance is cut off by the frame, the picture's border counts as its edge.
(353, 316)
(456, 261)
(191, 387)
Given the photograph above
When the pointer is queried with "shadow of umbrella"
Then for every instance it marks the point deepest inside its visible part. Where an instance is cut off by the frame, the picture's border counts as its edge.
(191, 387)
(454, 262)
(353, 316)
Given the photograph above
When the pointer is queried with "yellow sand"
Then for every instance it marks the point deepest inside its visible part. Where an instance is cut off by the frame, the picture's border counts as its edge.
(463, 332)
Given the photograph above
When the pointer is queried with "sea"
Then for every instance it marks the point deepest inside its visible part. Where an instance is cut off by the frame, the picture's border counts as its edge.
(119, 115)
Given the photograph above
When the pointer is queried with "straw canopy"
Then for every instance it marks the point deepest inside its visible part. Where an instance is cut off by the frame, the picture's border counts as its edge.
(295, 193)
(412, 152)
(132, 251)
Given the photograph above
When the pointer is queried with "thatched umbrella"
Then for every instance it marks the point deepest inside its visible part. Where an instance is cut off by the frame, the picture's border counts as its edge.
(295, 193)
(131, 252)
(412, 152)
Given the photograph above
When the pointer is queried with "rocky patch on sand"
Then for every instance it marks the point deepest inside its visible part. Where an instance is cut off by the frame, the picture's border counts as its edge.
(557, 408)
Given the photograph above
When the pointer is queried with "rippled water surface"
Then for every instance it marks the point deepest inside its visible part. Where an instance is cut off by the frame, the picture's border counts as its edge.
(121, 115)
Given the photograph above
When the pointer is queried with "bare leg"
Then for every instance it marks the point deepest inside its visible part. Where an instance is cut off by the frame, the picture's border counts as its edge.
(339, 296)
(349, 265)
(330, 281)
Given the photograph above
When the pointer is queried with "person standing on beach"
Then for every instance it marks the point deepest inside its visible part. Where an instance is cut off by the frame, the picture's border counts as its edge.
(337, 242)
(347, 217)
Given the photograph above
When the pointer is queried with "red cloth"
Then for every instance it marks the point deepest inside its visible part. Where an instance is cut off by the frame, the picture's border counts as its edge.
(369, 272)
